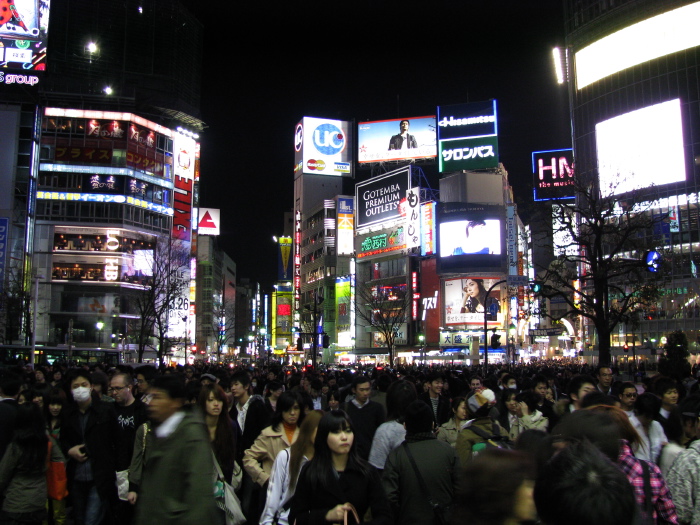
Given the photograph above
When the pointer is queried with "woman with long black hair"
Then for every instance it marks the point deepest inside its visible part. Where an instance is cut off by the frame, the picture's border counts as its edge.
(23, 469)
(337, 479)
(212, 401)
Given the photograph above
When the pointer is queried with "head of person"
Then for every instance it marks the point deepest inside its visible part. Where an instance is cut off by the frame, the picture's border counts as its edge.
(471, 226)
(598, 398)
(121, 388)
(54, 404)
(647, 407)
(690, 414)
(604, 375)
(508, 381)
(304, 445)
(580, 486)
(274, 389)
(507, 402)
(39, 375)
(288, 410)
(475, 383)
(399, 395)
(627, 431)
(316, 386)
(192, 389)
(540, 387)
(167, 396)
(627, 396)
(474, 288)
(361, 387)
(459, 409)
(599, 428)
(240, 385)
(404, 125)
(30, 436)
(496, 487)
(212, 401)
(333, 400)
(100, 382)
(667, 389)
(207, 379)
(578, 387)
(57, 375)
(418, 418)
(436, 382)
(80, 384)
(144, 375)
(529, 398)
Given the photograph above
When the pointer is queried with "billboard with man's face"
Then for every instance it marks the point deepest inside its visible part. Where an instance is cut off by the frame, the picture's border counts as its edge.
(396, 139)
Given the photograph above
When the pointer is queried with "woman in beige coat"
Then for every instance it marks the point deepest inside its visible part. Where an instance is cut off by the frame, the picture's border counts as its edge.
(448, 431)
(284, 430)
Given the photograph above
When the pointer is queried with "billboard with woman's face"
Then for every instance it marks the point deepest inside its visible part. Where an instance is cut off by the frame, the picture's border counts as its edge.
(467, 299)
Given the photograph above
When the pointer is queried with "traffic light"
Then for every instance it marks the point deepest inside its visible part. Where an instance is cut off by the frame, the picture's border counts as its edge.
(495, 341)
(626, 347)
(326, 341)
(536, 286)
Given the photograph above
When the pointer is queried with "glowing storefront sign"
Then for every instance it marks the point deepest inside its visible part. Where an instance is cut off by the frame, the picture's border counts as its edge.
(111, 269)
(96, 197)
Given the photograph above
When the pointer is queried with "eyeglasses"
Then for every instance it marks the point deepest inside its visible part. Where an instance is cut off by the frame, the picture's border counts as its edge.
(115, 388)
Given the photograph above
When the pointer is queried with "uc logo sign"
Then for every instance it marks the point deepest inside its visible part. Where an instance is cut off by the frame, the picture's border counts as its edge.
(328, 139)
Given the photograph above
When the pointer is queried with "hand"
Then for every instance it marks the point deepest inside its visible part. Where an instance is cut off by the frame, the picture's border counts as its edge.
(338, 512)
(77, 455)
(131, 497)
(523, 408)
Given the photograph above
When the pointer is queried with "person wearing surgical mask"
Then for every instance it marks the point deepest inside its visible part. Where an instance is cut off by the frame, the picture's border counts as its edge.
(88, 436)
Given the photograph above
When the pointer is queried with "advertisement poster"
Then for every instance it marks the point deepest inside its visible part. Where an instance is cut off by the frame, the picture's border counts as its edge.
(466, 299)
(396, 139)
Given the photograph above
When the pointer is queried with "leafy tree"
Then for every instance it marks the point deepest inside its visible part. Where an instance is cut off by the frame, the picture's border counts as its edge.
(599, 273)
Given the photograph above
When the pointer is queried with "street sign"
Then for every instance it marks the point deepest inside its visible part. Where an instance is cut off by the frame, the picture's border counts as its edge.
(518, 280)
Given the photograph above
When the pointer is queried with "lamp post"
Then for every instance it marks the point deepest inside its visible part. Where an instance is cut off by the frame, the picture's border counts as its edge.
(486, 313)
(421, 339)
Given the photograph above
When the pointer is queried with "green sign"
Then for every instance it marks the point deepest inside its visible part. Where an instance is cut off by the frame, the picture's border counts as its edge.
(472, 153)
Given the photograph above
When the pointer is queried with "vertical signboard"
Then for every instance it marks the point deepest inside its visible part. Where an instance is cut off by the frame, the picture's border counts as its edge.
(427, 228)
(413, 218)
(284, 266)
(468, 136)
(9, 129)
(511, 238)
(345, 226)
(343, 307)
(184, 155)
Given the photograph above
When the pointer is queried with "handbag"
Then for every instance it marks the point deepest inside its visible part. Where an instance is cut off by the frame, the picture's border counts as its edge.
(237, 476)
(56, 479)
(226, 498)
(440, 511)
(345, 515)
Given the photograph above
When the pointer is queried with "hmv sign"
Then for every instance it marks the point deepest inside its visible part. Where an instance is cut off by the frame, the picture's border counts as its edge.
(553, 174)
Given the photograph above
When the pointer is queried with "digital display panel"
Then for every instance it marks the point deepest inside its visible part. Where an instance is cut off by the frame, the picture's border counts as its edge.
(470, 237)
(467, 136)
(655, 37)
(641, 148)
(467, 300)
(396, 139)
(24, 26)
(322, 147)
(553, 174)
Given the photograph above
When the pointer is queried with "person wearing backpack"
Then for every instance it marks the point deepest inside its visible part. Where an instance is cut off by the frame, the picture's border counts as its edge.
(481, 432)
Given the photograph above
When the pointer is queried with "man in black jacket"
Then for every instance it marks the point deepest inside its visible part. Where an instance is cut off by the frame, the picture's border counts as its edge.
(439, 405)
(366, 415)
(88, 434)
(411, 498)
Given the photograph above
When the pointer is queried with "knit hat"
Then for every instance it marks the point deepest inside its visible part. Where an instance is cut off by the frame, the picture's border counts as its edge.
(478, 400)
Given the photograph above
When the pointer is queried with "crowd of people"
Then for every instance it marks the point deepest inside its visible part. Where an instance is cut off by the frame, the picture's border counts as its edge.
(550, 442)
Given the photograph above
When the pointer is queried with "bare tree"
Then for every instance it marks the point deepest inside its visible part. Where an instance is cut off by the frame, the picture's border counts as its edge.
(223, 323)
(162, 295)
(15, 311)
(600, 273)
(385, 308)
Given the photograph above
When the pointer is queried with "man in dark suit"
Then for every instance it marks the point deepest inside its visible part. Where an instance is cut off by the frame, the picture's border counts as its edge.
(403, 140)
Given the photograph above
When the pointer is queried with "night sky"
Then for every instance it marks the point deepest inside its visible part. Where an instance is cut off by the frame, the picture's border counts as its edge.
(266, 66)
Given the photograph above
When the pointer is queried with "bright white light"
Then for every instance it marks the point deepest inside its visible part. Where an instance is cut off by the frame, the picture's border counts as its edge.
(558, 68)
(652, 38)
(108, 90)
(641, 148)
(91, 47)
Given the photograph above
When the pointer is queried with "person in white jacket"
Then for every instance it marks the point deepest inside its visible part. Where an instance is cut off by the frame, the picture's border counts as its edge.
(286, 469)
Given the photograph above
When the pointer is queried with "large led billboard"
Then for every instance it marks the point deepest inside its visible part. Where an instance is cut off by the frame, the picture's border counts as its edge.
(467, 300)
(378, 198)
(345, 231)
(183, 155)
(322, 147)
(396, 139)
(553, 174)
(641, 148)
(655, 37)
(470, 236)
(24, 27)
(467, 136)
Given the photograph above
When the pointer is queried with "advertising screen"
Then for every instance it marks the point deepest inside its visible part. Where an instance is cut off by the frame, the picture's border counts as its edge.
(396, 139)
(183, 155)
(466, 300)
(346, 227)
(470, 237)
(24, 26)
(322, 147)
(467, 136)
(641, 148)
(655, 37)
(553, 174)
(378, 198)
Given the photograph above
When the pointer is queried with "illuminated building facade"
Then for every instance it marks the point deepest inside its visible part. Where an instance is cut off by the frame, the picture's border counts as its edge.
(634, 85)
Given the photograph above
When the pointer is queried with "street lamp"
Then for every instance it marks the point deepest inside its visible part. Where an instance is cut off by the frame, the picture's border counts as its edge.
(99, 325)
(421, 339)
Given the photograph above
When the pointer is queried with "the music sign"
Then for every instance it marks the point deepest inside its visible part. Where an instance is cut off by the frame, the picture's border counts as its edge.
(553, 174)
